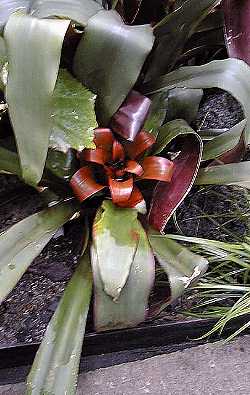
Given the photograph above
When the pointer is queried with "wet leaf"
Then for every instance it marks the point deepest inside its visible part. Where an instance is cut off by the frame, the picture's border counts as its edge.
(34, 50)
(107, 48)
(131, 307)
(21, 243)
(73, 114)
(115, 245)
(183, 267)
(56, 365)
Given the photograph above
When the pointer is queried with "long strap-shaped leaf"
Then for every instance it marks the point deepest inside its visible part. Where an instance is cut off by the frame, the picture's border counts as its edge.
(7, 7)
(182, 266)
(237, 14)
(168, 196)
(173, 32)
(34, 50)
(20, 244)
(107, 48)
(9, 162)
(131, 307)
(232, 75)
(78, 10)
(115, 239)
(55, 368)
(231, 174)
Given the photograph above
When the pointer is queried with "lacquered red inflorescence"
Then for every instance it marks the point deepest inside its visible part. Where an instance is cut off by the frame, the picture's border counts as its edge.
(116, 168)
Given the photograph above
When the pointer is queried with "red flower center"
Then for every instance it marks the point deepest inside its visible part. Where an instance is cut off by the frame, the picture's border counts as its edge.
(118, 167)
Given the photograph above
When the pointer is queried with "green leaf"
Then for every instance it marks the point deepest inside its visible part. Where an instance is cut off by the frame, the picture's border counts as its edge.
(184, 104)
(232, 174)
(173, 32)
(182, 266)
(21, 243)
(157, 114)
(115, 239)
(77, 10)
(224, 142)
(169, 131)
(231, 75)
(3, 60)
(9, 162)
(7, 7)
(55, 368)
(34, 50)
(131, 307)
(73, 114)
(109, 59)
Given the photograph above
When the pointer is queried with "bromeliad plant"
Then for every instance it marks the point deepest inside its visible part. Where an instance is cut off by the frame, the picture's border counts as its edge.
(101, 121)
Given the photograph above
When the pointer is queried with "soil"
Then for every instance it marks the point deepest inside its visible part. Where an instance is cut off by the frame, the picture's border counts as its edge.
(26, 312)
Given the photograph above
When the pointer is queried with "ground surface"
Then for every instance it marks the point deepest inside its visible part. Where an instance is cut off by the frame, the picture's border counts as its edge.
(209, 369)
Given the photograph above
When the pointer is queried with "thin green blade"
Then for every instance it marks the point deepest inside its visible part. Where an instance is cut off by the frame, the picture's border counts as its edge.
(55, 368)
(21, 243)
(34, 50)
(232, 174)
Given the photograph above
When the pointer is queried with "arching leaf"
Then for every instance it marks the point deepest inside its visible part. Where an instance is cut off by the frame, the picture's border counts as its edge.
(34, 50)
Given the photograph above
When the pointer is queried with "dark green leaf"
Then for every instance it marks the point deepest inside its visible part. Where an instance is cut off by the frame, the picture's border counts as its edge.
(34, 50)
(109, 59)
(55, 368)
(173, 32)
(21, 243)
(231, 75)
(182, 266)
(131, 307)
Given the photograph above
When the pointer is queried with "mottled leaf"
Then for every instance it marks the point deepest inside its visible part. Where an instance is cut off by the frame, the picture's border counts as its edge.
(73, 114)
(115, 239)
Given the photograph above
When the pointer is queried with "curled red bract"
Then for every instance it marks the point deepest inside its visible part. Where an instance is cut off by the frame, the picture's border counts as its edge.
(117, 167)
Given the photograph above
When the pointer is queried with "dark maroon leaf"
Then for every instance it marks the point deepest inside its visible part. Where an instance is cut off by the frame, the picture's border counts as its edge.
(98, 155)
(167, 197)
(131, 116)
(234, 155)
(237, 27)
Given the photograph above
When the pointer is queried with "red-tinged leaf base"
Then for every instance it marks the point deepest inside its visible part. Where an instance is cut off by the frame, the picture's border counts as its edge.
(167, 197)
(234, 155)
